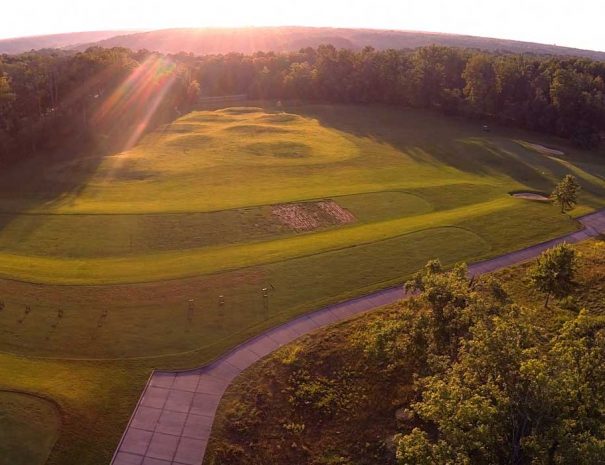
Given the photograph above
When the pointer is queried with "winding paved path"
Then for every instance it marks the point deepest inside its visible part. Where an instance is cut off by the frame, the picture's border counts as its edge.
(173, 418)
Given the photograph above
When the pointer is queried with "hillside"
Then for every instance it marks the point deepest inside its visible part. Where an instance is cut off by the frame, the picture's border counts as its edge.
(340, 395)
(69, 40)
(284, 39)
(279, 39)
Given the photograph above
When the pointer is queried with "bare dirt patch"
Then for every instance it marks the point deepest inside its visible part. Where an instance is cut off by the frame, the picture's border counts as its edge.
(308, 216)
(531, 196)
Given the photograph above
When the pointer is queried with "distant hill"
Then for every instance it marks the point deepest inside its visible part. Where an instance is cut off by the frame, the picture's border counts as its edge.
(284, 39)
(278, 39)
(69, 40)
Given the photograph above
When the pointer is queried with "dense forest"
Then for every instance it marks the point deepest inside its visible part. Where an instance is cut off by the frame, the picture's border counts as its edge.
(62, 101)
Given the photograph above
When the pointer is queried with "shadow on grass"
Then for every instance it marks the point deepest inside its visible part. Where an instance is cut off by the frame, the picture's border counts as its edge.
(57, 177)
(429, 138)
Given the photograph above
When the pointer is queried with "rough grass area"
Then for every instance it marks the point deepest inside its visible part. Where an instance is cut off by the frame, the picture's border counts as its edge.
(589, 292)
(29, 428)
(320, 400)
(100, 255)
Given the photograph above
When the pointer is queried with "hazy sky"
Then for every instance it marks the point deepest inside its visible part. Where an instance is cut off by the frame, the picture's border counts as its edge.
(574, 23)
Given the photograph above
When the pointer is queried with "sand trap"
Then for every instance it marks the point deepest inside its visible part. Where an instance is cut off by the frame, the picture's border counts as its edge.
(541, 149)
(531, 196)
(309, 216)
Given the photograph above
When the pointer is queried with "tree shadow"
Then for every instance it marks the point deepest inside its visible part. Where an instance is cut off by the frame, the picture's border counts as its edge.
(27, 188)
(461, 144)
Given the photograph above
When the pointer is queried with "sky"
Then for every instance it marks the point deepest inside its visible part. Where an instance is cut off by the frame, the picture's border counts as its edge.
(572, 23)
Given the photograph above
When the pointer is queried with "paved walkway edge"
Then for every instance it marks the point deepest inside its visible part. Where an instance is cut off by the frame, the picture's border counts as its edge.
(173, 418)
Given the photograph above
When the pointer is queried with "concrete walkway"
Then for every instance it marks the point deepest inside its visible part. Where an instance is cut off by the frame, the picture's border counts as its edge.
(172, 421)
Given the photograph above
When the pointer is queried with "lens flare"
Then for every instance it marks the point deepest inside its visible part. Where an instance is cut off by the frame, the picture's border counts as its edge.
(134, 103)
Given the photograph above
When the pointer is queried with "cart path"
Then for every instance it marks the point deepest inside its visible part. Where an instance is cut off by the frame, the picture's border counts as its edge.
(172, 421)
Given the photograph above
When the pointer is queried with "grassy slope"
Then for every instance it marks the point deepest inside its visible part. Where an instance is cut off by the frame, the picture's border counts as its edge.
(251, 422)
(450, 182)
(29, 427)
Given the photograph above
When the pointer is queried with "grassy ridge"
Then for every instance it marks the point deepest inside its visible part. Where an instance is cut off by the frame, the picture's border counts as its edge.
(107, 235)
(192, 262)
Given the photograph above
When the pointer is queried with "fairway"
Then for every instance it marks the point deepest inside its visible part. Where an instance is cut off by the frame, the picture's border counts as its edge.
(161, 255)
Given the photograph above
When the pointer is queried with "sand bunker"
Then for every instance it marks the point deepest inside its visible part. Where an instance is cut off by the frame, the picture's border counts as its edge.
(531, 196)
(543, 150)
(309, 216)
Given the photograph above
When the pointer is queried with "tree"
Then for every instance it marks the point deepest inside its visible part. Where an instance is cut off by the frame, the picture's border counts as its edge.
(453, 303)
(481, 86)
(193, 92)
(7, 98)
(565, 193)
(554, 271)
(511, 399)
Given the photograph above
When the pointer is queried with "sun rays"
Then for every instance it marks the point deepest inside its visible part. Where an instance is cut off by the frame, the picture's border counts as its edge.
(137, 98)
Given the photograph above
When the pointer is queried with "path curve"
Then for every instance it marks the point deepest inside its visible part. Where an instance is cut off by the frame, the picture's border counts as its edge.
(172, 421)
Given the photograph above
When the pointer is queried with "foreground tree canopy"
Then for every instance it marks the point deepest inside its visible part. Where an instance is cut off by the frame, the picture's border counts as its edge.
(505, 391)
(57, 93)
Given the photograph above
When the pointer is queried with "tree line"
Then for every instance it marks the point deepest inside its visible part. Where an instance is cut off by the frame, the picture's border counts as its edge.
(48, 99)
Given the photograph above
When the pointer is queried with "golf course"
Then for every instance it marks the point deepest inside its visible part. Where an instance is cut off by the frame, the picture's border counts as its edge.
(227, 222)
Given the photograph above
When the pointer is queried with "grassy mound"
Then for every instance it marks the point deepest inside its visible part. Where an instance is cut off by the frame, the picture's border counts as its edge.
(279, 118)
(252, 129)
(282, 149)
(241, 110)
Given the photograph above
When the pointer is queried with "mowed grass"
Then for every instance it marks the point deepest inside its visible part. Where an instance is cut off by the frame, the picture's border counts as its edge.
(117, 235)
(154, 319)
(101, 256)
(29, 428)
(192, 262)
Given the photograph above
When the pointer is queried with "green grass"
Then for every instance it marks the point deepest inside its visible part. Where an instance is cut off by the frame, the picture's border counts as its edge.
(99, 255)
(29, 427)
(116, 235)
(379, 206)
(153, 319)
